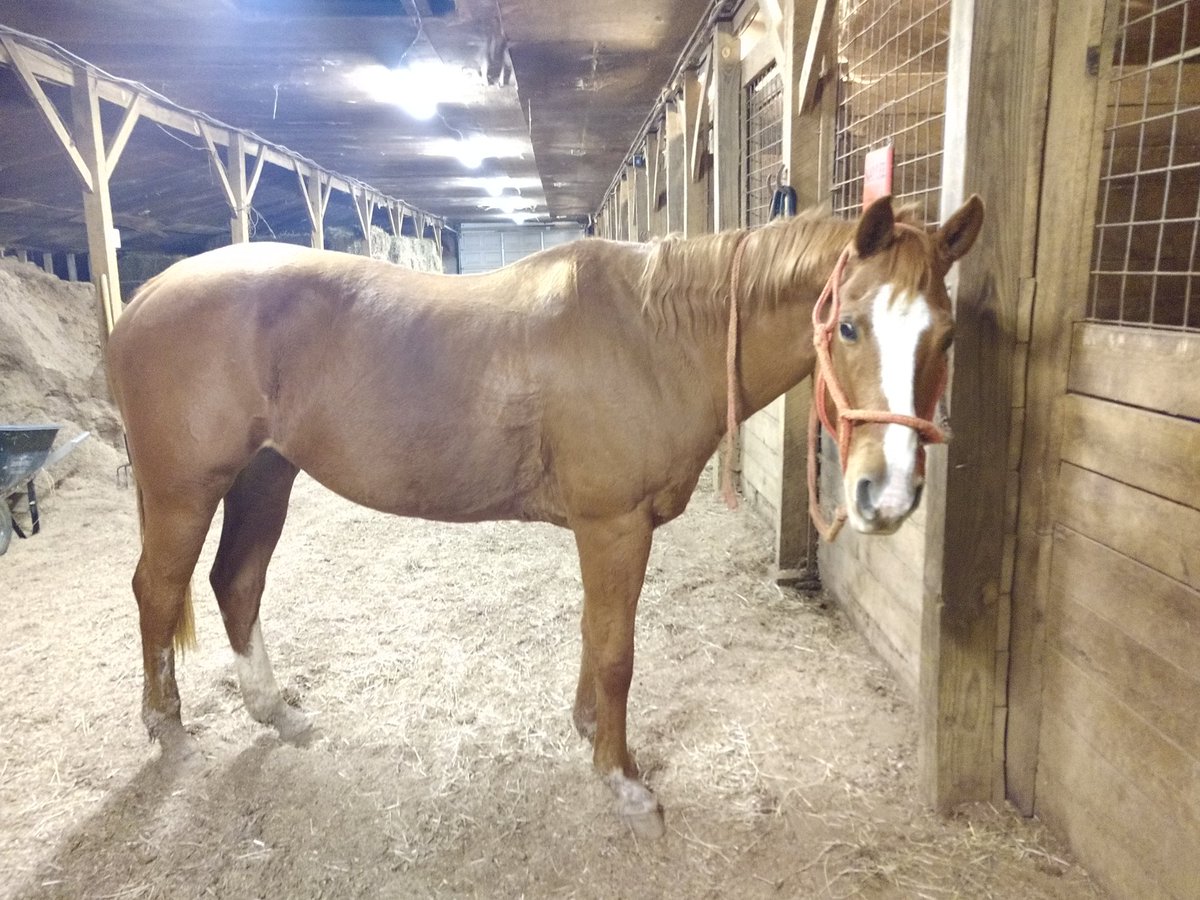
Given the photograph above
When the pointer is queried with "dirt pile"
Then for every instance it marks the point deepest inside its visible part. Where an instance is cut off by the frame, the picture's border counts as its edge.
(52, 371)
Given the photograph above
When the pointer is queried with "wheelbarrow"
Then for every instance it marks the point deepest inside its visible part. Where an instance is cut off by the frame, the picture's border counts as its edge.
(24, 451)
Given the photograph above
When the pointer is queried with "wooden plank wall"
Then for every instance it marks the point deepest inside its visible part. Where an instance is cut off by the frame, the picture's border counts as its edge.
(878, 581)
(1120, 726)
(761, 460)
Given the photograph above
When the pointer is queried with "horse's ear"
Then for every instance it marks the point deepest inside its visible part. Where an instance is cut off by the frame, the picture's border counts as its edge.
(876, 228)
(958, 233)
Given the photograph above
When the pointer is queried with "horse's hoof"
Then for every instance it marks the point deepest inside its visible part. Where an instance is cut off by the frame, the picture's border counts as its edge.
(637, 806)
(178, 746)
(649, 825)
(294, 727)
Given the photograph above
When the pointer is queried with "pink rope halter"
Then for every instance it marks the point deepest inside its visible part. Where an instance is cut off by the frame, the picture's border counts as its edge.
(825, 382)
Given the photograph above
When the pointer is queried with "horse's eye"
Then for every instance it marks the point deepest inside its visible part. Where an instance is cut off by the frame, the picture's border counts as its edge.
(847, 330)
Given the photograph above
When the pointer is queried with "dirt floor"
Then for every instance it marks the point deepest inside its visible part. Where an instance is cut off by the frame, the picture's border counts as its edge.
(439, 662)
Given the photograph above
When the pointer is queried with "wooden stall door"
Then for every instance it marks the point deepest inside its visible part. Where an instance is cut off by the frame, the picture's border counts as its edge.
(1106, 635)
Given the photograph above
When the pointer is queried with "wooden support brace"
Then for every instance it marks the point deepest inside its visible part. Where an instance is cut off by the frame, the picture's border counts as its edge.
(97, 204)
(654, 155)
(315, 188)
(116, 146)
(252, 185)
(121, 137)
(775, 28)
(364, 206)
(698, 113)
(809, 75)
(49, 111)
(219, 165)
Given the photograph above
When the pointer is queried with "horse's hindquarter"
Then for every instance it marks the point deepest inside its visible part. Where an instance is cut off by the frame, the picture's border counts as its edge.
(360, 373)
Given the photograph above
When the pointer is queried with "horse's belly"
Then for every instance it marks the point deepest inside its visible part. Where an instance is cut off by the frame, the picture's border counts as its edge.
(435, 481)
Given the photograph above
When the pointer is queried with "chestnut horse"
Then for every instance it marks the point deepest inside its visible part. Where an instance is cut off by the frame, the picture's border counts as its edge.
(585, 386)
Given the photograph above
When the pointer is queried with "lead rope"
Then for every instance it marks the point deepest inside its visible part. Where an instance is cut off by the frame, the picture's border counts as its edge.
(822, 334)
(731, 385)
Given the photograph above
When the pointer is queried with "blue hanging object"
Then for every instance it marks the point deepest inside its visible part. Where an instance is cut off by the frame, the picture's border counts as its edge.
(783, 195)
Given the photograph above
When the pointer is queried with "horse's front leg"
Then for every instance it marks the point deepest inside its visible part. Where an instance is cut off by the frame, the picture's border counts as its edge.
(612, 555)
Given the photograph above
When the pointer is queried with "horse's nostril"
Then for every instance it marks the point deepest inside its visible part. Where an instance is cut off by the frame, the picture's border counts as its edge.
(866, 500)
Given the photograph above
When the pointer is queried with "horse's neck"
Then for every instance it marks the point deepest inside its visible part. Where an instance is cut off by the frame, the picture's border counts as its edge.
(775, 348)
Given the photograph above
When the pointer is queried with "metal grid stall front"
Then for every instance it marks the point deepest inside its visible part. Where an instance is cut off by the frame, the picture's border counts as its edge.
(1144, 263)
(892, 91)
(764, 143)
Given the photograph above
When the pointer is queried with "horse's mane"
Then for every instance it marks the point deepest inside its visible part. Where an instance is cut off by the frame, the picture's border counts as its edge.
(686, 281)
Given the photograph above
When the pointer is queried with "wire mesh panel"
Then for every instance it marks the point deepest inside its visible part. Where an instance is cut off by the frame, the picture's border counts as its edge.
(1145, 269)
(892, 92)
(764, 143)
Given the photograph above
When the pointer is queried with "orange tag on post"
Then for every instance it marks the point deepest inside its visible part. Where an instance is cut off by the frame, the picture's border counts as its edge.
(877, 175)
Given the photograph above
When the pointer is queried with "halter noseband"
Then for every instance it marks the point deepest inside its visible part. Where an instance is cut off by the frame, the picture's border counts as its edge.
(825, 382)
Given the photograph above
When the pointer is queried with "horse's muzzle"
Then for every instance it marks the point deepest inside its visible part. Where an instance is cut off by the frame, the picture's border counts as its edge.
(879, 507)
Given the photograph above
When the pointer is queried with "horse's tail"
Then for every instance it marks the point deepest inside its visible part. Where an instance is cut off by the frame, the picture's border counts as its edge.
(185, 628)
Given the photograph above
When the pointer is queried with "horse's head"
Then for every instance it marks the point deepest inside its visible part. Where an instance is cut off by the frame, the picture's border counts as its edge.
(886, 336)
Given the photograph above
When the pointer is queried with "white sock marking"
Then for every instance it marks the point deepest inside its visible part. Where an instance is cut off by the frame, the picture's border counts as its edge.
(259, 689)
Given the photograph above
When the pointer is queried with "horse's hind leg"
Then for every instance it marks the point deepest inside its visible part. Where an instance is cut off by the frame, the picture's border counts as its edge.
(172, 537)
(612, 558)
(255, 509)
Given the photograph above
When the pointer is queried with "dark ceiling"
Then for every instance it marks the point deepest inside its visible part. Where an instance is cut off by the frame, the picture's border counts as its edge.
(550, 92)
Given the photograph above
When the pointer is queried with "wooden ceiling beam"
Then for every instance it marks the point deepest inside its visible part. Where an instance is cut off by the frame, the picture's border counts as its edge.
(33, 65)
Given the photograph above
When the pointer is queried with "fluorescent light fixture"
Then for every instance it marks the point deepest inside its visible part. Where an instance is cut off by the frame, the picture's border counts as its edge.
(472, 150)
(509, 203)
(418, 87)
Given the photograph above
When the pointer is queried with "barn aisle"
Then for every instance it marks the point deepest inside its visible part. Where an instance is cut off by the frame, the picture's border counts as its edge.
(440, 662)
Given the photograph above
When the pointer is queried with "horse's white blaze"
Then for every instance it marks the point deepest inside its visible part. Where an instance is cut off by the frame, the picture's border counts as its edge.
(898, 324)
(260, 692)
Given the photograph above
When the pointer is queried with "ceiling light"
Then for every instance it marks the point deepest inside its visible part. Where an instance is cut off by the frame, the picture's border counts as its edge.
(509, 203)
(418, 87)
(472, 150)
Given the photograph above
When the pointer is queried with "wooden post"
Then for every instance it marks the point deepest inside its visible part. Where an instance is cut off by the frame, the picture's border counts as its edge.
(795, 538)
(88, 137)
(232, 175)
(638, 210)
(239, 195)
(630, 186)
(1058, 273)
(726, 107)
(993, 130)
(364, 206)
(677, 174)
(315, 187)
(694, 106)
(396, 218)
(727, 128)
(655, 179)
